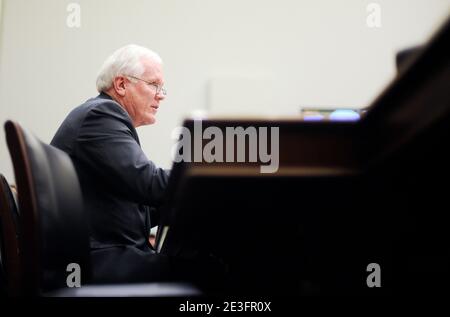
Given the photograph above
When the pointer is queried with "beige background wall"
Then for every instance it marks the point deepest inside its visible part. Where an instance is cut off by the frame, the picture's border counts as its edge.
(234, 56)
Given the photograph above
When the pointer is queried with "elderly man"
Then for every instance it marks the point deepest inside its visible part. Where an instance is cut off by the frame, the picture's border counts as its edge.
(120, 184)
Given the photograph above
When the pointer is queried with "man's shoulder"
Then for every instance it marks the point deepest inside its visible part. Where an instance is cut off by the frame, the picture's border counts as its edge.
(100, 113)
(98, 110)
(103, 104)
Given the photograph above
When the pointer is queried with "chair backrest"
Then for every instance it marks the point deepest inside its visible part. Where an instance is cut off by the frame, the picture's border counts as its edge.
(9, 235)
(54, 228)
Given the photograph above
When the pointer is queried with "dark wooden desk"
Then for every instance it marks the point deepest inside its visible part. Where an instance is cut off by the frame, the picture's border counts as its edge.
(345, 195)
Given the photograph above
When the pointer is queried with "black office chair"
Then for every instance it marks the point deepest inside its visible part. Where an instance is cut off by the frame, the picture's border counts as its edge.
(9, 235)
(54, 228)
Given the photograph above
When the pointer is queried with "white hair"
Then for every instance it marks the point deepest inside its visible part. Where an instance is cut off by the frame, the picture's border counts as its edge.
(126, 60)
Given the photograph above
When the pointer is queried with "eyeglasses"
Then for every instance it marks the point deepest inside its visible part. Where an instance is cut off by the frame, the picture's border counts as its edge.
(159, 89)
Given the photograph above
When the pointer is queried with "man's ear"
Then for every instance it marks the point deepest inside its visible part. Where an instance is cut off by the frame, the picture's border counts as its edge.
(119, 84)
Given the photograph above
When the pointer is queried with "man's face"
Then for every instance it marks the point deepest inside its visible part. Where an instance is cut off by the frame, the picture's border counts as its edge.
(141, 99)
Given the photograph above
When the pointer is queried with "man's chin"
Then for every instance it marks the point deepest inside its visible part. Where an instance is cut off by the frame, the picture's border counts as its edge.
(146, 122)
(150, 120)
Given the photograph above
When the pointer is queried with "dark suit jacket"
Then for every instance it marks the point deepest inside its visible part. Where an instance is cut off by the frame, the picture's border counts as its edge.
(118, 181)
